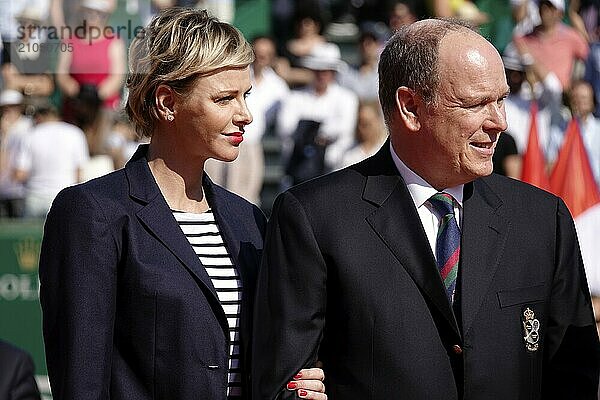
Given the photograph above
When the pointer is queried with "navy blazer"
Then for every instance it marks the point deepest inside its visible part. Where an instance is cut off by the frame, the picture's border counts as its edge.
(129, 312)
(348, 277)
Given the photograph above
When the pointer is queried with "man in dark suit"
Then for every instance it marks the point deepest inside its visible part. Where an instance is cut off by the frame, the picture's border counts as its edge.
(416, 274)
(17, 380)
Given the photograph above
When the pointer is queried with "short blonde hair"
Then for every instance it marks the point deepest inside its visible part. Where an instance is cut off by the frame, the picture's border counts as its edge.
(178, 46)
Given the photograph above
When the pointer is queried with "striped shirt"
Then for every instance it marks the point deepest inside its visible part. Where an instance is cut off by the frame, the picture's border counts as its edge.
(203, 233)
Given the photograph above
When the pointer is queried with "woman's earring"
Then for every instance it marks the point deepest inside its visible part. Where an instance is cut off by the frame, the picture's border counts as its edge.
(170, 117)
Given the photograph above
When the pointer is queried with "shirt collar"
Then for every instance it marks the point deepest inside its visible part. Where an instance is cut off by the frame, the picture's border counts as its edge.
(419, 189)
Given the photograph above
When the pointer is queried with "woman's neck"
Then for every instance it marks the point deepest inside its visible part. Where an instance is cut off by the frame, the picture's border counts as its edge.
(179, 180)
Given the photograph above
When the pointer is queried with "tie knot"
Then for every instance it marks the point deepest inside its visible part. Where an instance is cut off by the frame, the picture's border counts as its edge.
(443, 203)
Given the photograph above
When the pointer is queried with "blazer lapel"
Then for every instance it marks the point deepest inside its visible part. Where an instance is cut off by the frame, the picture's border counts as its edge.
(156, 215)
(484, 234)
(397, 223)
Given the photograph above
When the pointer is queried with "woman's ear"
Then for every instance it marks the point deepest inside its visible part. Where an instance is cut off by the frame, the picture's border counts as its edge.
(165, 102)
(407, 108)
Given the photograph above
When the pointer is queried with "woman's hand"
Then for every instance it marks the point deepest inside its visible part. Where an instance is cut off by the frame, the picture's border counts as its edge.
(308, 384)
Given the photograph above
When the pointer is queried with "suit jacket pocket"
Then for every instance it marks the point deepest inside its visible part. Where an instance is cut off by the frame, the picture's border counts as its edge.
(514, 297)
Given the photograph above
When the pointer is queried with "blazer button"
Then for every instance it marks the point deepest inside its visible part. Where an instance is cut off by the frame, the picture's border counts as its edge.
(457, 350)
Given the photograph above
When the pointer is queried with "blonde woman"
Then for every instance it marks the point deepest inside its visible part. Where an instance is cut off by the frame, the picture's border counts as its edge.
(148, 274)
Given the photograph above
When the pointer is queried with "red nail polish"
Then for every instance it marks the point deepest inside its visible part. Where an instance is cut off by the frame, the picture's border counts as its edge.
(302, 392)
(298, 375)
(292, 385)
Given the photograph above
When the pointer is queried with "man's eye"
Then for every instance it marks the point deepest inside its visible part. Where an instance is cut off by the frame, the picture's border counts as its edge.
(475, 106)
(225, 99)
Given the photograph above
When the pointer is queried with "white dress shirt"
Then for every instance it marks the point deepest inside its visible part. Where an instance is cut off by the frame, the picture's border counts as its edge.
(421, 191)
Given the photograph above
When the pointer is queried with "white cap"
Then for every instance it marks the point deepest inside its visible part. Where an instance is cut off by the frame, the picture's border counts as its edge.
(98, 5)
(323, 57)
(559, 4)
(10, 97)
(32, 13)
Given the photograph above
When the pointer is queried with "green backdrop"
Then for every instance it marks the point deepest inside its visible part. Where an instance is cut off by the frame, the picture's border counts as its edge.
(19, 288)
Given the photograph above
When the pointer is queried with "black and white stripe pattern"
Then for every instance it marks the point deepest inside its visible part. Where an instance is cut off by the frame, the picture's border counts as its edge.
(203, 233)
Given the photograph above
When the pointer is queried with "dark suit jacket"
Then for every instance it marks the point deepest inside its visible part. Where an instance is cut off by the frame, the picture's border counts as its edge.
(129, 312)
(349, 278)
(17, 374)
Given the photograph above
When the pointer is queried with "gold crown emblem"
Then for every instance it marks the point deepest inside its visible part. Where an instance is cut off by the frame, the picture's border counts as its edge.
(28, 253)
(528, 314)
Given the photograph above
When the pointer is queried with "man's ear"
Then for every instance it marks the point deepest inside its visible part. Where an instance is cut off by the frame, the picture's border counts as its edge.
(407, 108)
(164, 98)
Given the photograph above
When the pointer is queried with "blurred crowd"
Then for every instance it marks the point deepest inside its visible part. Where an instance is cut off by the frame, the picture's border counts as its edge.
(315, 90)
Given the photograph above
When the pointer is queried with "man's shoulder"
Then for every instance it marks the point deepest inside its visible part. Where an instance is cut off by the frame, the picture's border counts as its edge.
(332, 185)
(514, 192)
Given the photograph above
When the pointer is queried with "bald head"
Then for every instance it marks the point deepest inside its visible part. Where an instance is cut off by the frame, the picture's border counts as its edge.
(411, 58)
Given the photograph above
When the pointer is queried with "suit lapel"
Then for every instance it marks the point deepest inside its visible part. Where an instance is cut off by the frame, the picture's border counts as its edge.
(484, 234)
(397, 223)
(156, 215)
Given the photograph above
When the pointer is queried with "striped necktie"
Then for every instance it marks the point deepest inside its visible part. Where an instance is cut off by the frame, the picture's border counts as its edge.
(447, 249)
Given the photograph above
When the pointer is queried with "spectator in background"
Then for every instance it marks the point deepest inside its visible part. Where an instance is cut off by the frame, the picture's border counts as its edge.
(91, 76)
(17, 374)
(244, 176)
(222, 9)
(308, 27)
(362, 78)
(122, 141)
(553, 44)
(506, 158)
(321, 116)
(592, 71)
(529, 80)
(13, 127)
(66, 12)
(51, 157)
(582, 104)
(401, 14)
(526, 16)
(26, 62)
(589, 11)
(370, 134)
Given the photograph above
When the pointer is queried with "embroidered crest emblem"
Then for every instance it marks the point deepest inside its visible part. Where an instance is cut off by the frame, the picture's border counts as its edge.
(531, 326)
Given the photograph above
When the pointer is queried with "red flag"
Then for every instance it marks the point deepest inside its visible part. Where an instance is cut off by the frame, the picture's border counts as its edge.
(534, 163)
(572, 177)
